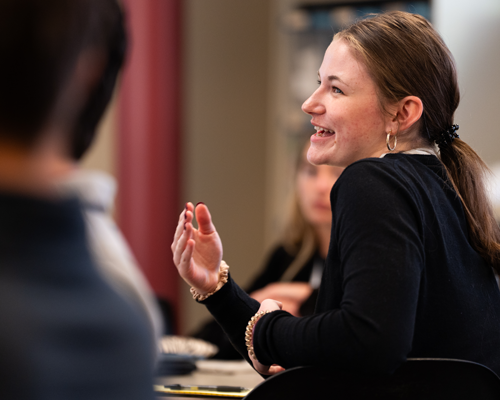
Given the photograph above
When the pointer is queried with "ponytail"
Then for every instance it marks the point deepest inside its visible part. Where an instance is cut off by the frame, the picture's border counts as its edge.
(467, 171)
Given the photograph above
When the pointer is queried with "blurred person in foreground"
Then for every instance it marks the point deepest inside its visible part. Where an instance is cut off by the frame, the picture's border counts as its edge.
(292, 273)
(65, 334)
(96, 191)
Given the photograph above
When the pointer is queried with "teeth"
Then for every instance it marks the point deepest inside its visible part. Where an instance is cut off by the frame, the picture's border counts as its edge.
(319, 128)
(321, 131)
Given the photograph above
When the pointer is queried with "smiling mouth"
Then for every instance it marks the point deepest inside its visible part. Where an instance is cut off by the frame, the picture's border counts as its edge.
(322, 132)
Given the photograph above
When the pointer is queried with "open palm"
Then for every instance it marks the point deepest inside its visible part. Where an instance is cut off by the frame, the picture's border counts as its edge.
(197, 252)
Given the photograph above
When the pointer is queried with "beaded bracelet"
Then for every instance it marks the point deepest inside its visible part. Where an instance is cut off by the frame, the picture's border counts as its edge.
(249, 332)
(223, 277)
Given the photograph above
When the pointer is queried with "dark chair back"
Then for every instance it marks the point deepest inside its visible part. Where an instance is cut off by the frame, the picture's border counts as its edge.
(416, 379)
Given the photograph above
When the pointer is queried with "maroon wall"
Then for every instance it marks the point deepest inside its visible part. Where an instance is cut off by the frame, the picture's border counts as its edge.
(149, 139)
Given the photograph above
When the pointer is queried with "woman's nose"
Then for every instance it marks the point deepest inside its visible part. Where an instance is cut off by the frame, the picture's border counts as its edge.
(313, 105)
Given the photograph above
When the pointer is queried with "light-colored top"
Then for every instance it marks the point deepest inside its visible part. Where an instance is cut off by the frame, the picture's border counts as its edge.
(96, 190)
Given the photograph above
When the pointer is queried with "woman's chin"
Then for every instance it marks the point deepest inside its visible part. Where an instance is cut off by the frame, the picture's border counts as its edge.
(321, 152)
(317, 158)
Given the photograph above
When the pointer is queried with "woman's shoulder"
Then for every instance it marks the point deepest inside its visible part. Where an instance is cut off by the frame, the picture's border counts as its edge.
(395, 179)
(393, 169)
(364, 173)
(396, 161)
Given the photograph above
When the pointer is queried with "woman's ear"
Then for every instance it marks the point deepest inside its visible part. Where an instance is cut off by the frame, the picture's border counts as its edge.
(408, 112)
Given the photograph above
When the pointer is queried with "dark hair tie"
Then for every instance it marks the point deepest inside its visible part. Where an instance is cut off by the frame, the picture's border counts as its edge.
(446, 137)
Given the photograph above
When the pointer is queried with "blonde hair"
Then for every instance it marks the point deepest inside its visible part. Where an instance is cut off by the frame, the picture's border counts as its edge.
(298, 236)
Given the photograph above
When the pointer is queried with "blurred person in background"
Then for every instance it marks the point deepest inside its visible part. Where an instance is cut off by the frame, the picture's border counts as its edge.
(292, 273)
(65, 333)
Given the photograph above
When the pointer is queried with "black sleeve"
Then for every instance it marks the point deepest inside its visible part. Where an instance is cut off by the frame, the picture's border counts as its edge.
(232, 308)
(277, 263)
(377, 245)
(309, 305)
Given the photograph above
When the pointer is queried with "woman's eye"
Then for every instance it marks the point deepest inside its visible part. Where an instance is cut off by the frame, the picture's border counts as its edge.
(337, 90)
(319, 82)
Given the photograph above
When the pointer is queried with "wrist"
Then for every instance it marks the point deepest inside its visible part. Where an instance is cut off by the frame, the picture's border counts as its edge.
(250, 329)
(223, 277)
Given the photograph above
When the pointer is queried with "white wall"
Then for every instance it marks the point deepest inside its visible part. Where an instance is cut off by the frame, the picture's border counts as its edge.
(471, 29)
(225, 78)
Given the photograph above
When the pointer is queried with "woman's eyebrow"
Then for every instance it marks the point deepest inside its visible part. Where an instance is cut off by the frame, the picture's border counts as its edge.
(334, 78)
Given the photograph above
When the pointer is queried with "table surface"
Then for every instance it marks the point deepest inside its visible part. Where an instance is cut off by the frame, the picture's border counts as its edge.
(212, 372)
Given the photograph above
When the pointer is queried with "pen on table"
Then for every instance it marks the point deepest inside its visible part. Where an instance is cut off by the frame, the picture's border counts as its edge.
(207, 388)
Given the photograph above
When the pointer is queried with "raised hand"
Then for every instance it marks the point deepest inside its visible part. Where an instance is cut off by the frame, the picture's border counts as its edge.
(197, 253)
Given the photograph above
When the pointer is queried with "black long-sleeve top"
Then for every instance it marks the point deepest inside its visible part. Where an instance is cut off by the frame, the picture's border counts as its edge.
(277, 264)
(401, 279)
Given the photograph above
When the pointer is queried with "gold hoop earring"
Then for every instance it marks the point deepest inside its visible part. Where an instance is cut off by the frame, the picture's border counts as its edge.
(388, 139)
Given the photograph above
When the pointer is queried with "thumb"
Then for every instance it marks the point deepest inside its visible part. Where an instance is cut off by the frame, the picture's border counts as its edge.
(204, 219)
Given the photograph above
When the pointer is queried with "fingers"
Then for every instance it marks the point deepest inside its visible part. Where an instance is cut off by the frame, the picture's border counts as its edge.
(179, 245)
(260, 368)
(185, 261)
(185, 217)
(274, 369)
(270, 305)
(205, 225)
(266, 369)
(178, 231)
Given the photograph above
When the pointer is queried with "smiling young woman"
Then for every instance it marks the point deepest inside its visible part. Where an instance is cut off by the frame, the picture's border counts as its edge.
(413, 247)
(345, 111)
